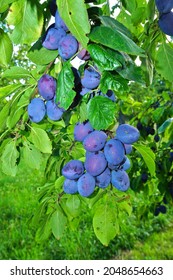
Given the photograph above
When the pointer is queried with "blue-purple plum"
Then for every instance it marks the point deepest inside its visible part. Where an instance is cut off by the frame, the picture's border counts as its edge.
(81, 130)
(59, 23)
(54, 112)
(127, 134)
(73, 169)
(70, 186)
(114, 151)
(120, 180)
(164, 6)
(128, 148)
(36, 110)
(68, 46)
(84, 91)
(126, 165)
(86, 185)
(95, 141)
(110, 95)
(91, 78)
(103, 180)
(53, 37)
(95, 163)
(47, 87)
(166, 23)
(83, 55)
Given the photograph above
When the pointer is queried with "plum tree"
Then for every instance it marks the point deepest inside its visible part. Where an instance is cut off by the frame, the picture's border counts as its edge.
(95, 141)
(54, 112)
(114, 151)
(164, 6)
(91, 78)
(47, 87)
(73, 169)
(68, 46)
(70, 186)
(36, 110)
(166, 23)
(103, 180)
(86, 185)
(59, 23)
(120, 180)
(95, 163)
(81, 130)
(127, 134)
(53, 37)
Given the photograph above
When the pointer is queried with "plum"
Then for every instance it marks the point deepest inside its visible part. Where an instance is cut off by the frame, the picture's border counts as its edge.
(86, 185)
(47, 87)
(53, 37)
(83, 55)
(54, 112)
(95, 141)
(120, 180)
(166, 23)
(84, 91)
(73, 169)
(164, 6)
(91, 78)
(70, 186)
(68, 46)
(103, 180)
(114, 151)
(95, 163)
(127, 134)
(126, 165)
(128, 148)
(59, 23)
(36, 110)
(81, 130)
(110, 95)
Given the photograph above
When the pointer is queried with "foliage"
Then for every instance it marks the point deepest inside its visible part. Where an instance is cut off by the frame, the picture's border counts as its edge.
(143, 98)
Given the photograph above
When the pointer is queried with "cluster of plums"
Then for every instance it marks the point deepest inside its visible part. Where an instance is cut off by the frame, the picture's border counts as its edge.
(105, 162)
(44, 105)
(166, 16)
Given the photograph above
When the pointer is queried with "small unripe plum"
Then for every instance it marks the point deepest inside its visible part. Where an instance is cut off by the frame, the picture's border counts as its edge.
(95, 163)
(127, 134)
(47, 87)
(114, 151)
(164, 6)
(166, 23)
(59, 23)
(54, 112)
(120, 180)
(86, 185)
(91, 78)
(68, 46)
(36, 110)
(70, 186)
(53, 37)
(81, 130)
(73, 169)
(103, 180)
(95, 141)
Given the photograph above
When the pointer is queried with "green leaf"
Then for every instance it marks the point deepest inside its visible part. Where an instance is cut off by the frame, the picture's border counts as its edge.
(113, 82)
(4, 4)
(101, 112)
(74, 14)
(148, 156)
(16, 72)
(9, 158)
(115, 40)
(14, 117)
(31, 155)
(65, 93)
(114, 24)
(40, 55)
(105, 223)
(106, 59)
(132, 73)
(6, 49)
(4, 114)
(164, 126)
(41, 140)
(73, 205)
(9, 89)
(27, 18)
(163, 63)
(58, 223)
